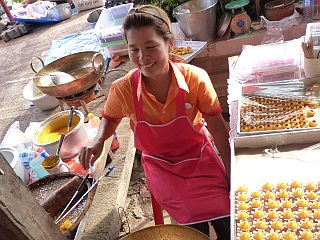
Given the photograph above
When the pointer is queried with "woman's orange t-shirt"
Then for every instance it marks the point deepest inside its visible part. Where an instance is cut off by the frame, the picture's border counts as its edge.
(200, 98)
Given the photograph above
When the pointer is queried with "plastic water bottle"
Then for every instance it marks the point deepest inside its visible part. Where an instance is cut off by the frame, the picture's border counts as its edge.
(92, 125)
(93, 120)
(26, 157)
(308, 6)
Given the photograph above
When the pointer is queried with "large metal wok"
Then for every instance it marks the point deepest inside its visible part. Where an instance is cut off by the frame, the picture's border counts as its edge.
(85, 67)
(166, 232)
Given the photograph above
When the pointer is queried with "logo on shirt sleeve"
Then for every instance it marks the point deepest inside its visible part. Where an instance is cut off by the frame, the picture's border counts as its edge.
(188, 105)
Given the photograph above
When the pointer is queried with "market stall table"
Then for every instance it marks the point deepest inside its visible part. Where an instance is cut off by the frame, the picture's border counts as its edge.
(273, 177)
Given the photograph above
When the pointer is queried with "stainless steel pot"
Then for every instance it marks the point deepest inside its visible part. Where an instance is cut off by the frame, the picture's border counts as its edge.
(61, 11)
(197, 19)
(47, 136)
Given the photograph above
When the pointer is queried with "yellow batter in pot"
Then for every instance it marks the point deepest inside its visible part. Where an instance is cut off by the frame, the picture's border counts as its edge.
(51, 132)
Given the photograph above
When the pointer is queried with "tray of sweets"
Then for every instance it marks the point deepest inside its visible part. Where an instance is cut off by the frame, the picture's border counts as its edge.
(275, 191)
(278, 107)
(188, 50)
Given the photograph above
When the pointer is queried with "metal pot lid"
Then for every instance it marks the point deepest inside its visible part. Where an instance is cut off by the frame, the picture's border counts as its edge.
(223, 23)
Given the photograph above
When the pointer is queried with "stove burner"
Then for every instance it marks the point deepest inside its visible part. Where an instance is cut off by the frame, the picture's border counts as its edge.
(82, 98)
(74, 96)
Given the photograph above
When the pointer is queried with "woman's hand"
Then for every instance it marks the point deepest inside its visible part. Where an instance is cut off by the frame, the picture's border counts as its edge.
(90, 153)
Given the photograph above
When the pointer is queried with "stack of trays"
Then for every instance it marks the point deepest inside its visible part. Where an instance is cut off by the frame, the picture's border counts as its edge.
(109, 29)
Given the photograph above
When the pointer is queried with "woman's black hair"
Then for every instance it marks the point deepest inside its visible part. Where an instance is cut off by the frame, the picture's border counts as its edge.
(148, 15)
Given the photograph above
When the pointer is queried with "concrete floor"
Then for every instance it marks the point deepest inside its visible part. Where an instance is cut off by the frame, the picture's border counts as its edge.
(15, 64)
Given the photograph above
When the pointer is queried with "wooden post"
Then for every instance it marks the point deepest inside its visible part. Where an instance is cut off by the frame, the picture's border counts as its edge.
(21, 216)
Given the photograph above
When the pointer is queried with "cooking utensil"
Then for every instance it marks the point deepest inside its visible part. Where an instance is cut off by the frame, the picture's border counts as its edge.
(278, 9)
(85, 67)
(197, 19)
(60, 143)
(74, 195)
(109, 170)
(53, 77)
(70, 119)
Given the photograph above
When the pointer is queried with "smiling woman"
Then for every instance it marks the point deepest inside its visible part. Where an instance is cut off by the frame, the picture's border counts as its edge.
(166, 101)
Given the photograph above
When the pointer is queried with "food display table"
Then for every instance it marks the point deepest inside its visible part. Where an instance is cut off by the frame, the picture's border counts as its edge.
(274, 181)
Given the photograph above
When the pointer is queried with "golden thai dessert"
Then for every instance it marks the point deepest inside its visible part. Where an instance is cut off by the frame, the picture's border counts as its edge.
(243, 197)
(66, 224)
(278, 211)
(262, 113)
(245, 236)
(181, 50)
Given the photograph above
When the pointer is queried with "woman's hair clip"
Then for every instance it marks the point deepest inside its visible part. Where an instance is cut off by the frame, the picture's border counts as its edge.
(134, 10)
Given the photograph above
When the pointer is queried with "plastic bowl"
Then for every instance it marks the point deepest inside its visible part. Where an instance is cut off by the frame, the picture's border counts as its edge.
(42, 101)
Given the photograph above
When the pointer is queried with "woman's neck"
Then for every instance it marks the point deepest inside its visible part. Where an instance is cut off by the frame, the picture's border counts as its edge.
(159, 86)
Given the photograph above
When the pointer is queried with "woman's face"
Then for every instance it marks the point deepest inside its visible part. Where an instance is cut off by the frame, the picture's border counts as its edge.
(148, 51)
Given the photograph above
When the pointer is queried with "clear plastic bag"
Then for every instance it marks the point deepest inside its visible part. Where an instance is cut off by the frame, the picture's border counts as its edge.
(268, 62)
(260, 114)
(284, 23)
(274, 35)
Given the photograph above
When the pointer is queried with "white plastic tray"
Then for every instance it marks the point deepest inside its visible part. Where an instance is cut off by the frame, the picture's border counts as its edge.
(196, 46)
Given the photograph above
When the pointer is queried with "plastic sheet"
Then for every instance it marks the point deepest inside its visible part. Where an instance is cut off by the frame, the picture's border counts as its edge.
(308, 154)
(278, 108)
(269, 62)
(84, 41)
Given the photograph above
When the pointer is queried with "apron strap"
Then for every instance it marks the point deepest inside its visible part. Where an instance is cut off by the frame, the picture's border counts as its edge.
(180, 100)
(180, 103)
(137, 102)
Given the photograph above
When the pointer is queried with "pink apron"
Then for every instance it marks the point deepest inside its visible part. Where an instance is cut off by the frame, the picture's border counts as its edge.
(183, 172)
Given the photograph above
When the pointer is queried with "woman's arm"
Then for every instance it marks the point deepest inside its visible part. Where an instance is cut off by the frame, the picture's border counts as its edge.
(219, 131)
(90, 153)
